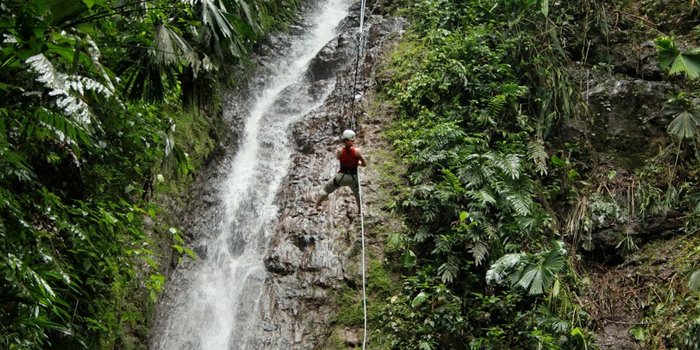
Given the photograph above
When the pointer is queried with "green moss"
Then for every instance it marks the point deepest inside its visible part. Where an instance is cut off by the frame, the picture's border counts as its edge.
(335, 341)
(350, 311)
(670, 308)
(192, 133)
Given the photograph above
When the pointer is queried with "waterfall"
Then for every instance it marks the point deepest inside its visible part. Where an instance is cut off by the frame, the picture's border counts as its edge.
(220, 307)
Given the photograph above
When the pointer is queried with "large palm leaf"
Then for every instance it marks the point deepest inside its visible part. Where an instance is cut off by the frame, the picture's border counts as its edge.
(677, 61)
(535, 273)
(686, 117)
(539, 276)
(149, 69)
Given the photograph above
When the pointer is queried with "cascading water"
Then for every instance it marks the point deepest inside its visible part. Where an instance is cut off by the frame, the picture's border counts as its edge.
(221, 303)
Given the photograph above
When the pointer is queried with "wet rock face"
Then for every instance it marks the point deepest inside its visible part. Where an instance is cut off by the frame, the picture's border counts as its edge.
(627, 122)
(626, 126)
(323, 65)
(311, 253)
(637, 61)
(314, 252)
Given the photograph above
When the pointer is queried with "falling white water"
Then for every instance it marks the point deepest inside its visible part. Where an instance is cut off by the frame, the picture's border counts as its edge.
(220, 310)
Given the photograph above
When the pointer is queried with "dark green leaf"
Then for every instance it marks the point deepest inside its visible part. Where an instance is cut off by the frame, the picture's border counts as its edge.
(694, 281)
(684, 125)
(419, 299)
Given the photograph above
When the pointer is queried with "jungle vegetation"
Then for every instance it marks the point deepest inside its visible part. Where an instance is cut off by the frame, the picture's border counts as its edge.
(501, 207)
(102, 101)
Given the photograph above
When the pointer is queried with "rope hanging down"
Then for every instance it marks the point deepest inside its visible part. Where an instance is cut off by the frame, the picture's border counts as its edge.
(360, 46)
(364, 291)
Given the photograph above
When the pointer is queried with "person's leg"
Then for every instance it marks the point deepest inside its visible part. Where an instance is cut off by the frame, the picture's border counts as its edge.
(328, 188)
(356, 191)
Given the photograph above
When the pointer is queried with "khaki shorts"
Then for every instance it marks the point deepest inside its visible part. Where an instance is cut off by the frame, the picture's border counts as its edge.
(340, 180)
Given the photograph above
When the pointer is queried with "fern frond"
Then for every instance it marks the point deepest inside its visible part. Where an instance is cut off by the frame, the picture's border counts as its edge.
(508, 164)
(520, 205)
(514, 90)
(449, 270)
(443, 244)
(483, 197)
(496, 105)
(509, 92)
(537, 154)
(453, 181)
(61, 127)
(62, 86)
(479, 251)
(422, 234)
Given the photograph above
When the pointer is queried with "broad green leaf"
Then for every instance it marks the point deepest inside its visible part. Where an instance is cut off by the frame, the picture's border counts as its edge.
(394, 240)
(688, 63)
(694, 281)
(66, 51)
(191, 253)
(639, 333)
(408, 259)
(532, 280)
(419, 299)
(684, 125)
(64, 10)
(545, 7)
(425, 345)
(89, 3)
(572, 174)
(577, 332)
(667, 51)
(557, 161)
(556, 288)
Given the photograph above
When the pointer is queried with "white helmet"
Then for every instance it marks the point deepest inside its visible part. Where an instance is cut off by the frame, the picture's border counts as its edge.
(348, 135)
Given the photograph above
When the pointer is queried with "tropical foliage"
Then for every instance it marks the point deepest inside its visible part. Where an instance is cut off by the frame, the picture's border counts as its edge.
(500, 209)
(93, 91)
(473, 120)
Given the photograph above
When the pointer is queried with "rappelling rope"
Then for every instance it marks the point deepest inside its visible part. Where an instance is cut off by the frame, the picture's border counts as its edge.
(360, 46)
(364, 278)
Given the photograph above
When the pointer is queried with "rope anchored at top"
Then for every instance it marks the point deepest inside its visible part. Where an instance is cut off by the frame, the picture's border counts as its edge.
(360, 47)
